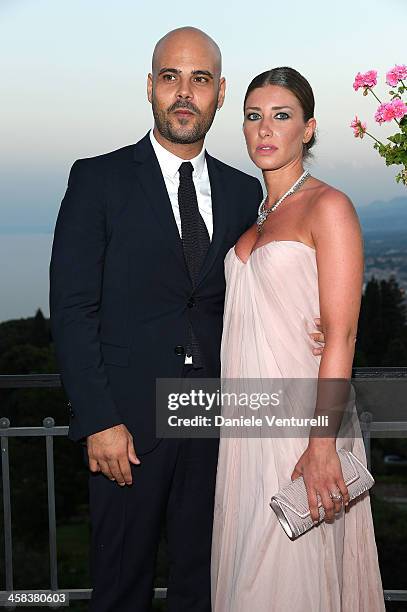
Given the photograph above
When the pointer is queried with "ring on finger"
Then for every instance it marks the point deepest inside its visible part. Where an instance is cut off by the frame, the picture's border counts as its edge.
(335, 495)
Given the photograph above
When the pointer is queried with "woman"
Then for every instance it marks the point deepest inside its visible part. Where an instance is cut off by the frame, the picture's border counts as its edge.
(304, 255)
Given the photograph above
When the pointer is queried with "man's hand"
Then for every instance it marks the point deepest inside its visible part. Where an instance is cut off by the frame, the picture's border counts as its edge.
(318, 336)
(110, 451)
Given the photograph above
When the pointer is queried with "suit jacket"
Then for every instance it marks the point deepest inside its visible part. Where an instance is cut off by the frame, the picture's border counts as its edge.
(120, 294)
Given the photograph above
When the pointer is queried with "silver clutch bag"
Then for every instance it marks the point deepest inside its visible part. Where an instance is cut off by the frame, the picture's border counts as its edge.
(291, 503)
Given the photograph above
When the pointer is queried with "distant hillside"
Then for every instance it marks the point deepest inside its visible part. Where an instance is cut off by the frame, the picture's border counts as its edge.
(384, 216)
(378, 216)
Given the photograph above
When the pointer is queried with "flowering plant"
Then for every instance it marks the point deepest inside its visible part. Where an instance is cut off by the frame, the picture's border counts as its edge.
(395, 152)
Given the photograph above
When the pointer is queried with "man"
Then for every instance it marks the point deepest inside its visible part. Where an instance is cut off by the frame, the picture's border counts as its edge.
(137, 293)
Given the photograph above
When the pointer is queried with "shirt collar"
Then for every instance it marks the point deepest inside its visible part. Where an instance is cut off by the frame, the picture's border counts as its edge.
(170, 163)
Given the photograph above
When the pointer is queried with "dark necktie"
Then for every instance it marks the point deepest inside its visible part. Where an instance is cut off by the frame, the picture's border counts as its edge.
(195, 239)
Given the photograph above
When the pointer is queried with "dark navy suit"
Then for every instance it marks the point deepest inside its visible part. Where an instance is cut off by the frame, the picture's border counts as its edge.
(121, 300)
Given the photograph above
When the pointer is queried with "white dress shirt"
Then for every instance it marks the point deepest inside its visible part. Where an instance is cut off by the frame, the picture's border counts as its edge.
(169, 164)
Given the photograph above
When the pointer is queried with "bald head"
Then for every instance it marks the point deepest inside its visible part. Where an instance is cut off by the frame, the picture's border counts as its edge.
(185, 88)
(186, 41)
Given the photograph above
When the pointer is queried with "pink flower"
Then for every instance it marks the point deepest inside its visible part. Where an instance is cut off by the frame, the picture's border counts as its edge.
(399, 108)
(359, 128)
(384, 113)
(369, 79)
(395, 75)
(396, 109)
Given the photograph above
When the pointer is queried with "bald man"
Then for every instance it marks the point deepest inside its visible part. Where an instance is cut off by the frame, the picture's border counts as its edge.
(136, 293)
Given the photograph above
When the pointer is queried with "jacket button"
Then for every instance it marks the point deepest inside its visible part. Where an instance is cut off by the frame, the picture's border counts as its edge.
(191, 302)
(179, 350)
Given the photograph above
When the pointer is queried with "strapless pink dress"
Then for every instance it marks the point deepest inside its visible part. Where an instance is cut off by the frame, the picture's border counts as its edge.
(271, 302)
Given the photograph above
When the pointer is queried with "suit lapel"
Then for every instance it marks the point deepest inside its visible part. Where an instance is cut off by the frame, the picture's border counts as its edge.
(150, 177)
(152, 182)
(219, 200)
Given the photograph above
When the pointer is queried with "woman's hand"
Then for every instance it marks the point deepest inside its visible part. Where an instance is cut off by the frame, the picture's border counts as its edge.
(318, 336)
(320, 467)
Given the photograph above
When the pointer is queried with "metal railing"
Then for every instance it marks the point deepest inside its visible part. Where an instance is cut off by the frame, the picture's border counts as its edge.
(48, 430)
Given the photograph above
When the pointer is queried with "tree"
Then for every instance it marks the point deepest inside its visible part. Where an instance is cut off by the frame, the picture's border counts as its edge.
(382, 329)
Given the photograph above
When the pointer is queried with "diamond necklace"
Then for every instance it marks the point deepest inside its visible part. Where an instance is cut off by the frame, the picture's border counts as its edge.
(263, 212)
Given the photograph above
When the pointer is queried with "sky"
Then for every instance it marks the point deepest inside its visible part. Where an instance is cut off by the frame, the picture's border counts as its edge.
(73, 85)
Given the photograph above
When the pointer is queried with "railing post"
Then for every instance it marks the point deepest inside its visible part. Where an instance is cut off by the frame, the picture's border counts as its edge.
(365, 423)
(49, 422)
(5, 471)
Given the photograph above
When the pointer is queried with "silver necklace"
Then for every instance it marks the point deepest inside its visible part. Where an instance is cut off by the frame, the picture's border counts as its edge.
(264, 212)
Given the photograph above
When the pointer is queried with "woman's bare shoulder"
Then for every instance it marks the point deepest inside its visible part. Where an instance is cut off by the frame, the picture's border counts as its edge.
(331, 203)
(333, 218)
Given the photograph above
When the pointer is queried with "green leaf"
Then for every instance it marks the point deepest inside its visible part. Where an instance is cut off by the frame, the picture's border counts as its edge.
(397, 138)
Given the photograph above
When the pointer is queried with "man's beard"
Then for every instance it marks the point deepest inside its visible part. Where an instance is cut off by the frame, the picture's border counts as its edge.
(179, 135)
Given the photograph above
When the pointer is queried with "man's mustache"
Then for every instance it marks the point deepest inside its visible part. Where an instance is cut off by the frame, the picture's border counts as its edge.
(188, 105)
